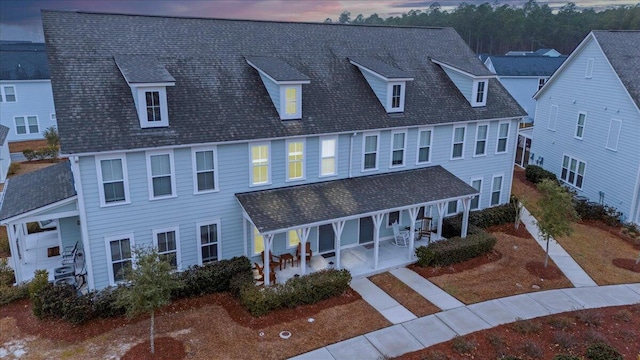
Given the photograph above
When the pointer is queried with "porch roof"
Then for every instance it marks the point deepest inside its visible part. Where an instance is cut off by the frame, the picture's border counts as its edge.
(295, 206)
(36, 189)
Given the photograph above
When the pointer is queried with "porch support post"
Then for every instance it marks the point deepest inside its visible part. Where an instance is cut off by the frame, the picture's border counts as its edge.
(466, 204)
(267, 240)
(303, 235)
(338, 226)
(413, 216)
(15, 255)
(377, 221)
(441, 210)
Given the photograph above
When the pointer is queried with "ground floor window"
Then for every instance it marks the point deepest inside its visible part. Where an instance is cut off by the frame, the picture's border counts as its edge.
(452, 207)
(573, 171)
(475, 202)
(496, 189)
(167, 247)
(209, 235)
(292, 238)
(393, 217)
(120, 256)
(258, 242)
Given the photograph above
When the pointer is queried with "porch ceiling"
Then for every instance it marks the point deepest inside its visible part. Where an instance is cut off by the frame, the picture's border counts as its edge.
(294, 206)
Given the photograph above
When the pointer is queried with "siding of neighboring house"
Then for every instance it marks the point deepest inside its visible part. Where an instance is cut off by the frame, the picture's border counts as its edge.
(602, 98)
(5, 158)
(33, 98)
(522, 89)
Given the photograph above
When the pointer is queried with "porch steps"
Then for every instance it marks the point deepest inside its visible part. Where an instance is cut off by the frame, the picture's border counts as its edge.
(381, 301)
(427, 289)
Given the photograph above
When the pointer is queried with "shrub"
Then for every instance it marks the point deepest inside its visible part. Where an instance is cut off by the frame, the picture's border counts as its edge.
(602, 351)
(566, 357)
(536, 174)
(7, 276)
(462, 345)
(51, 134)
(564, 339)
(590, 317)
(29, 154)
(588, 210)
(435, 355)
(4, 243)
(39, 282)
(560, 322)
(13, 168)
(480, 219)
(623, 315)
(532, 350)
(526, 327)
(104, 302)
(455, 250)
(9, 294)
(209, 278)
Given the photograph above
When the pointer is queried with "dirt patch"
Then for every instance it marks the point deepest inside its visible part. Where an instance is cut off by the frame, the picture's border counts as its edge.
(617, 231)
(20, 146)
(403, 294)
(537, 269)
(545, 337)
(628, 264)
(166, 348)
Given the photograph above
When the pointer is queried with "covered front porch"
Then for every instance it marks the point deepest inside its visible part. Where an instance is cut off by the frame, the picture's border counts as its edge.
(354, 216)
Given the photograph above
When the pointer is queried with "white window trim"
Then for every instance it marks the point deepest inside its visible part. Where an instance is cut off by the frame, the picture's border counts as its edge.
(3, 96)
(457, 207)
(404, 149)
(194, 167)
(389, 226)
(575, 180)
(26, 124)
(506, 146)
(253, 240)
(107, 244)
(553, 119)
(52, 117)
(283, 102)
(304, 159)
(544, 81)
(175, 229)
(389, 101)
(575, 132)
(501, 188)
(364, 141)
(335, 156)
(125, 175)
(174, 191)
(464, 138)
(420, 130)
(287, 246)
(479, 178)
(142, 106)
(486, 139)
(617, 136)
(219, 237)
(474, 93)
(261, 143)
(588, 73)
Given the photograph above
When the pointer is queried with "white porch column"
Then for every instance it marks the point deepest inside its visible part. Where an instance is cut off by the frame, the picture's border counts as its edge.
(15, 256)
(266, 270)
(466, 204)
(338, 226)
(413, 216)
(442, 207)
(303, 235)
(377, 221)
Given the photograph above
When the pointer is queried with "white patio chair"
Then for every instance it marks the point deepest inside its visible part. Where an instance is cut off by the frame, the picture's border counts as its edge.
(400, 238)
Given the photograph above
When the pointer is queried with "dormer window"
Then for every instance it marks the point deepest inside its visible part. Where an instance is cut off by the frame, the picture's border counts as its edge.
(473, 86)
(387, 82)
(395, 96)
(480, 93)
(292, 107)
(153, 106)
(151, 103)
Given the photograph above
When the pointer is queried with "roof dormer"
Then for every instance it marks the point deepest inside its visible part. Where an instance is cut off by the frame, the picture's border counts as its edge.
(387, 82)
(474, 88)
(148, 80)
(283, 83)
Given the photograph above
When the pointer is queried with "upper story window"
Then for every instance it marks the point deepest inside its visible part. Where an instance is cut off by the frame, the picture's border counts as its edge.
(26, 125)
(205, 175)
(424, 146)
(112, 179)
(370, 152)
(328, 156)
(582, 118)
(161, 175)
(614, 134)
(395, 96)
(291, 107)
(457, 148)
(295, 159)
(387, 81)
(398, 141)
(481, 140)
(209, 233)
(152, 107)
(553, 118)
(589, 70)
(541, 82)
(503, 138)
(53, 116)
(260, 172)
(479, 95)
(8, 93)
(573, 171)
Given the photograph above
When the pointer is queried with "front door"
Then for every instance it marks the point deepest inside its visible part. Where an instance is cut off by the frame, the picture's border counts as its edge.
(366, 230)
(326, 238)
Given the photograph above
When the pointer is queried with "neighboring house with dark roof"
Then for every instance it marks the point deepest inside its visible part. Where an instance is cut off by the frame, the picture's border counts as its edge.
(228, 137)
(587, 128)
(5, 156)
(26, 100)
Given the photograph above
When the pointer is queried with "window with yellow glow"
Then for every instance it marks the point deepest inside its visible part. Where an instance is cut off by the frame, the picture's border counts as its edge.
(328, 155)
(295, 159)
(292, 238)
(258, 241)
(259, 164)
(291, 101)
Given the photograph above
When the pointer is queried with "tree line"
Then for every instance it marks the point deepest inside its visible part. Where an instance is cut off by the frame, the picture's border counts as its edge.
(496, 29)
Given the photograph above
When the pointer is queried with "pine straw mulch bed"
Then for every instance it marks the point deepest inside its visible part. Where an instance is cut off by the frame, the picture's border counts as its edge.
(403, 294)
(514, 267)
(545, 337)
(20, 146)
(213, 325)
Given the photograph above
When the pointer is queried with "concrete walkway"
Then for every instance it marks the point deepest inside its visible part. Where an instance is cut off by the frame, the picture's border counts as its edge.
(427, 289)
(566, 264)
(381, 301)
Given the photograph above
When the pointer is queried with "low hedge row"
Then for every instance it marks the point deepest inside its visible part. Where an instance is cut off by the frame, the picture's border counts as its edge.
(10, 293)
(302, 290)
(48, 152)
(480, 219)
(210, 278)
(594, 211)
(455, 250)
(536, 174)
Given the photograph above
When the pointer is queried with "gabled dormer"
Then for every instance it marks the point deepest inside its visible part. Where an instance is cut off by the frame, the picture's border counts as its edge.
(148, 80)
(474, 88)
(387, 82)
(283, 83)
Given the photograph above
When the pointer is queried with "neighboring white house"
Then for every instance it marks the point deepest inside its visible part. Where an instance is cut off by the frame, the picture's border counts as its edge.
(213, 138)
(26, 100)
(587, 128)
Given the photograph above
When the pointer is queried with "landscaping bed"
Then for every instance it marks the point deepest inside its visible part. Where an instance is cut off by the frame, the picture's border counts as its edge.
(403, 294)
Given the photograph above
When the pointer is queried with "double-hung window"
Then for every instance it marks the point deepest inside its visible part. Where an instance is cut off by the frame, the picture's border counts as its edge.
(292, 239)
(496, 190)
(259, 153)
(328, 155)
(452, 207)
(395, 96)
(393, 217)
(475, 202)
(424, 146)
(503, 138)
(573, 171)
(26, 125)
(582, 118)
(167, 245)
(457, 148)
(295, 159)
(205, 175)
(481, 139)
(119, 256)
(152, 99)
(479, 93)
(112, 180)
(291, 99)
(258, 242)
(161, 176)
(398, 141)
(209, 233)
(370, 152)
(8, 94)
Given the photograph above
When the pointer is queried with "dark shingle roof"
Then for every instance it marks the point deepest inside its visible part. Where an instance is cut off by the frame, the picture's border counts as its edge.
(4, 131)
(622, 48)
(526, 65)
(219, 97)
(380, 67)
(23, 61)
(306, 204)
(278, 69)
(142, 69)
(36, 189)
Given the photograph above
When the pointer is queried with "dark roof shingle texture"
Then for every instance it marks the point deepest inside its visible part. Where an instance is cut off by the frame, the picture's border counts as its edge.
(526, 65)
(277, 69)
(622, 48)
(4, 131)
(305, 204)
(219, 97)
(142, 69)
(381, 68)
(23, 61)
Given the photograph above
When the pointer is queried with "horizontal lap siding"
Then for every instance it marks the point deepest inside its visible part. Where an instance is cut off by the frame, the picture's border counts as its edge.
(33, 98)
(522, 89)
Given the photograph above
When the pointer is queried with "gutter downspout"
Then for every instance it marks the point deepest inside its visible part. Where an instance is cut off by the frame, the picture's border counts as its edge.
(75, 170)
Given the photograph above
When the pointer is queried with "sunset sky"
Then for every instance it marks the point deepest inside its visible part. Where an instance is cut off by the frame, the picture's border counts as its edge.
(20, 19)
